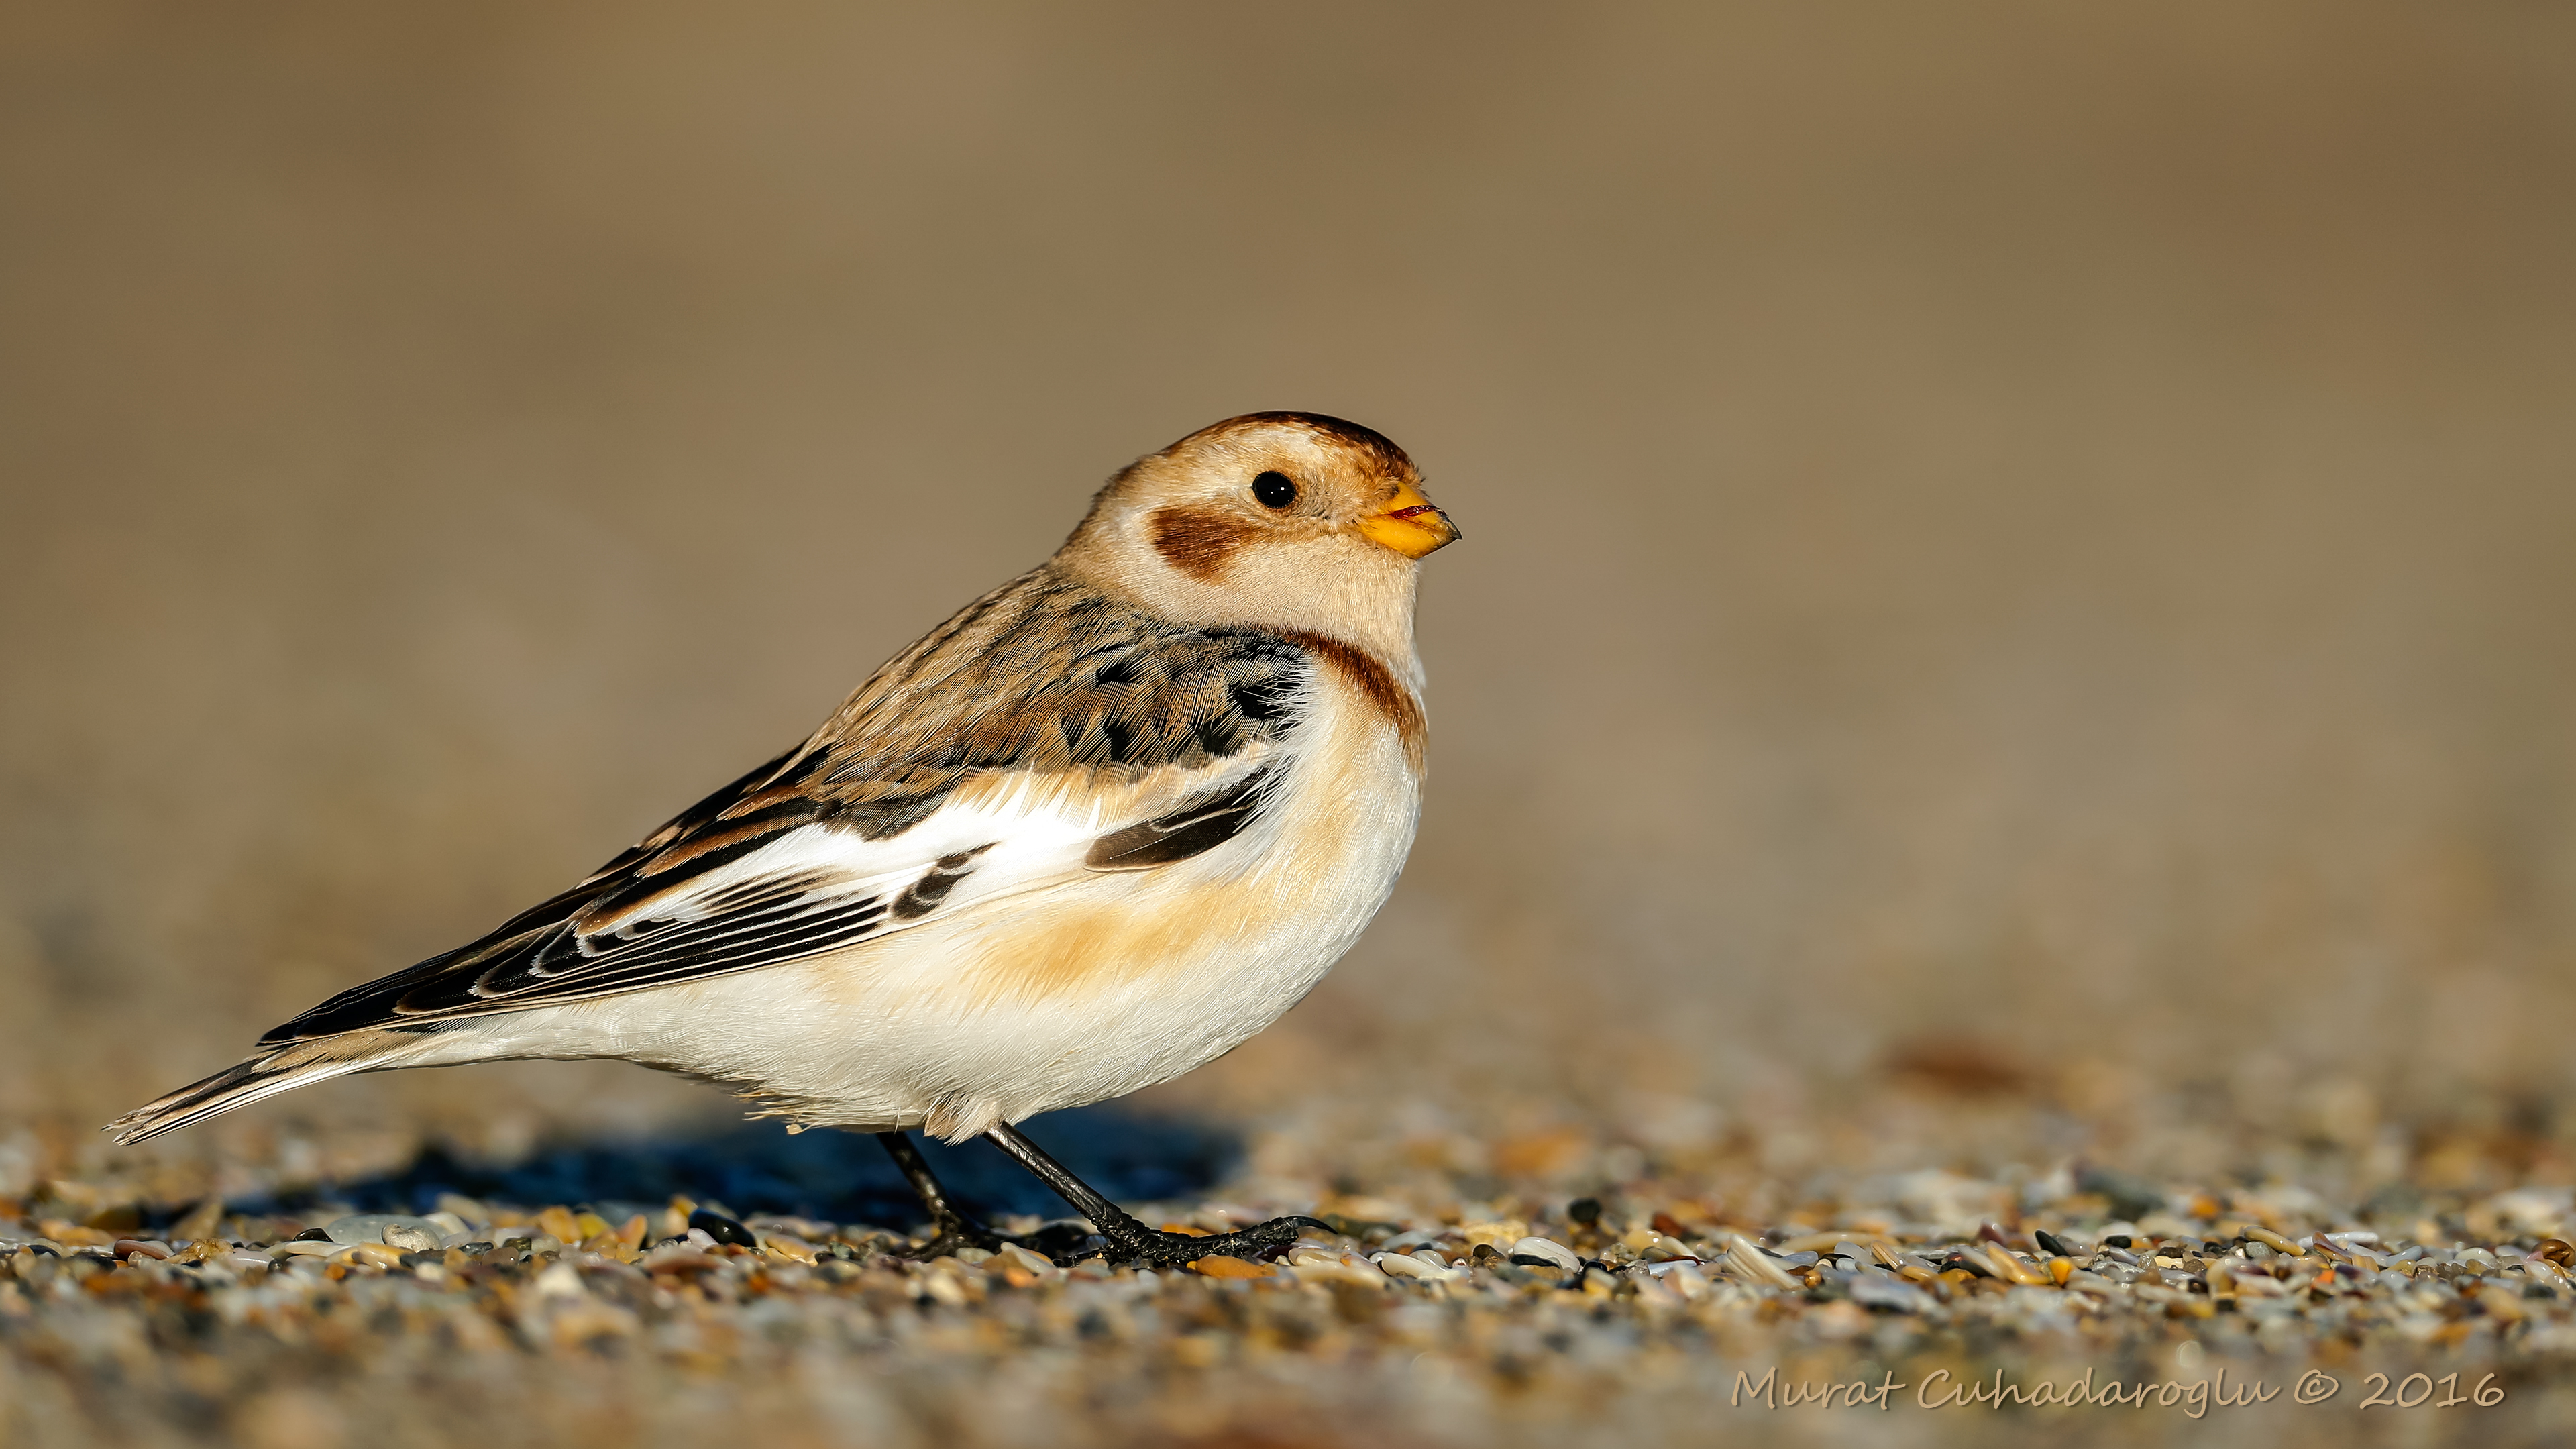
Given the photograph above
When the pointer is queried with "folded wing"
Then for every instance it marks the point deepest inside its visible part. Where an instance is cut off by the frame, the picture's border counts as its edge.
(1113, 742)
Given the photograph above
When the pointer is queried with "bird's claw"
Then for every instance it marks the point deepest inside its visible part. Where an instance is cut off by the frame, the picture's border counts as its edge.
(1136, 1243)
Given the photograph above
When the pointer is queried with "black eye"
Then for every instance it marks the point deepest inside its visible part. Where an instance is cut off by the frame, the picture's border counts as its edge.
(1275, 490)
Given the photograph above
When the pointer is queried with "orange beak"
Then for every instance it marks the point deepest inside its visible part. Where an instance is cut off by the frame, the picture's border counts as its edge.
(1410, 525)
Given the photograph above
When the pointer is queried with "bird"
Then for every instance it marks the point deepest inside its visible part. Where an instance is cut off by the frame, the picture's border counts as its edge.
(1098, 828)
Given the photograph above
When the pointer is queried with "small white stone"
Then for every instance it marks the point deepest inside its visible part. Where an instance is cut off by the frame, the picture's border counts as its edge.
(371, 1228)
(1409, 1265)
(1756, 1265)
(1338, 1268)
(1685, 1279)
(1881, 1290)
(1022, 1258)
(1652, 1293)
(1555, 1255)
(411, 1239)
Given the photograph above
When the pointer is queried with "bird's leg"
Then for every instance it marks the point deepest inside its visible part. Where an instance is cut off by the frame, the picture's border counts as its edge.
(954, 1229)
(1132, 1241)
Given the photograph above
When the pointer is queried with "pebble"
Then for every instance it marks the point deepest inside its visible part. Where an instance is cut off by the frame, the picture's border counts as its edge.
(1409, 1265)
(720, 1228)
(1225, 1267)
(797, 1250)
(305, 1248)
(2012, 1269)
(1543, 1252)
(416, 1234)
(1687, 1279)
(1024, 1260)
(1754, 1264)
(1877, 1290)
(1653, 1294)
(2275, 1241)
(678, 1257)
(1328, 1265)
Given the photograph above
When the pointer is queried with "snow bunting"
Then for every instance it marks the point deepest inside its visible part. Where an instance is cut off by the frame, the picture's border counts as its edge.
(1098, 828)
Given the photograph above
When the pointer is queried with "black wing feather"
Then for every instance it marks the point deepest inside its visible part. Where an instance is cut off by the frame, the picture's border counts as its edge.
(1194, 829)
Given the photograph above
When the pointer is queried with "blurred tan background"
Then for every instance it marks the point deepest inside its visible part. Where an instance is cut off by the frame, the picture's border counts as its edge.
(2005, 542)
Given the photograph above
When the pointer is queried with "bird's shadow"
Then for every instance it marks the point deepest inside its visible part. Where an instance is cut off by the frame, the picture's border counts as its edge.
(841, 1177)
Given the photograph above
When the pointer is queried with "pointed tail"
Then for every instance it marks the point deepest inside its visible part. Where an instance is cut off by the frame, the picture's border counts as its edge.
(268, 1073)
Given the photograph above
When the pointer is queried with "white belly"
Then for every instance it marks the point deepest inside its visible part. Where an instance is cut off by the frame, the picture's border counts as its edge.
(1066, 995)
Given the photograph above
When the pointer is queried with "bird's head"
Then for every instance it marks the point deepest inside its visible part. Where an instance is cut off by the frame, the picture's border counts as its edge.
(1289, 520)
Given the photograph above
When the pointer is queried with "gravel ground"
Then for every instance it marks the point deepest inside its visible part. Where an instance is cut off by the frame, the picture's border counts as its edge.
(2004, 522)
(1561, 1285)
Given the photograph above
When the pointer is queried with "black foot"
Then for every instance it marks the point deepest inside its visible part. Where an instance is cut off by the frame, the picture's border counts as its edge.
(1130, 1241)
(954, 1228)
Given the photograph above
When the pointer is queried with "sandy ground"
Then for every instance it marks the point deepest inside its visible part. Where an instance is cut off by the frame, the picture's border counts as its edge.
(2013, 617)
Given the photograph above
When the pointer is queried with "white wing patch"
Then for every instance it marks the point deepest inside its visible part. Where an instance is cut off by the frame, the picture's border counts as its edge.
(814, 888)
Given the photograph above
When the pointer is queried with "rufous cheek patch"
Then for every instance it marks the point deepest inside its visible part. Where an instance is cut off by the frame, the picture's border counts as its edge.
(1197, 541)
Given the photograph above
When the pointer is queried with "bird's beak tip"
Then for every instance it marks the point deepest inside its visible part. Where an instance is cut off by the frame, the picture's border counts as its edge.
(1410, 525)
